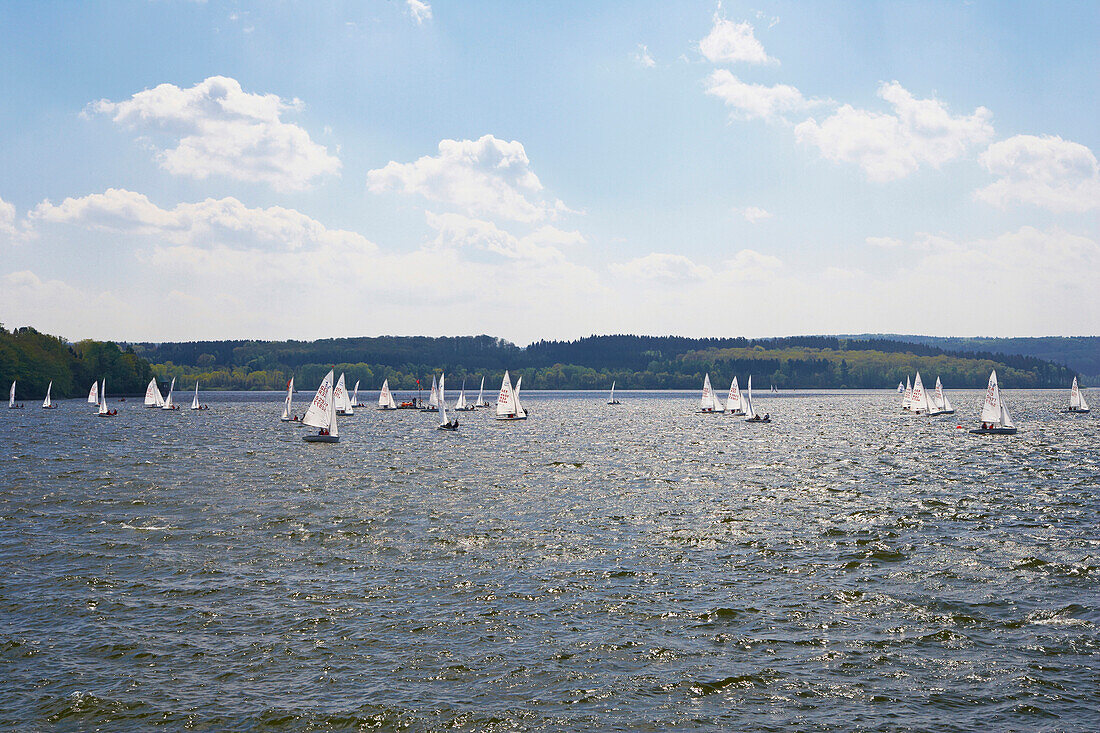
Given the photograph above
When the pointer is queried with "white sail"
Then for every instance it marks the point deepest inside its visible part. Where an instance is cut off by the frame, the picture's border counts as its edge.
(901, 388)
(1084, 404)
(1077, 401)
(907, 398)
(991, 408)
(11, 396)
(385, 398)
(195, 399)
(611, 397)
(103, 398)
(706, 400)
(152, 394)
(481, 395)
(322, 411)
(433, 398)
(1006, 419)
(341, 401)
(947, 404)
(442, 402)
(355, 395)
(520, 412)
(506, 400)
(461, 404)
(289, 397)
(746, 398)
(167, 403)
(93, 394)
(733, 400)
(919, 403)
(47, 402)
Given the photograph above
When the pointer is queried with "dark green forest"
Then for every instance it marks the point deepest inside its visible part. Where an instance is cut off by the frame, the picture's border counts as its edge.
(35, 359)
(634, 362)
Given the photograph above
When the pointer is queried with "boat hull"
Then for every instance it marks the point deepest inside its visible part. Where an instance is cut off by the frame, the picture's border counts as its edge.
(1077, 411)
(321, 438)
(993, 431)
(511, 417)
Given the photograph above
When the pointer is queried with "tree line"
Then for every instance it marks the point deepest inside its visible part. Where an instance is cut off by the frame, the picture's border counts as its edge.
(35, 359)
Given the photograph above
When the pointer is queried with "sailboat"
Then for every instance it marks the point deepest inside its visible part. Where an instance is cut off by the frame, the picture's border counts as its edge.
(103, 411)
(709, 402)
(153, 397)
(611, 399)
(508, 407)
(195, 400)
(940, 404)
(919, 402)
(385, 398)
(93, 394)
(355, 395)
(746, 396)
(287, 415)
(340, 398)
(322, 414)
(168, 401)
(433, 398)
(733, 401)
(481, 401)
(462, 405)
(907, 398)
(995, 417)
(519, 407)
(444, 423)
(11, 399)
(901, 388)
(1077, 399)
(47, 404)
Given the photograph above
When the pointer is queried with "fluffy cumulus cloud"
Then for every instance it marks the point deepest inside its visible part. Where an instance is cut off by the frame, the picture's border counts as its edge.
(891, 146)
(487, 177)
(221, 130)
(542, 245)
(755, 101)
(7, 218)
(420, 11)
(730, 42)
(1046, 171)
(226, 221)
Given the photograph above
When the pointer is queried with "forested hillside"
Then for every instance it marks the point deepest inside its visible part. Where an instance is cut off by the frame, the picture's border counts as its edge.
(35, 359)
(634, 362)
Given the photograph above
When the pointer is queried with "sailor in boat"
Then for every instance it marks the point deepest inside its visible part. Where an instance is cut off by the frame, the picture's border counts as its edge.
(451, 424)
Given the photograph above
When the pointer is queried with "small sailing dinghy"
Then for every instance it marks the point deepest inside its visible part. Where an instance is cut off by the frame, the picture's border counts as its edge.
(508, 407)
(995, 417)
(734, 405)
(385, 398)
(168, 405)
(11, 399)
(322, 414)
(481, 401)
(355, 395)
(93, 394)
(103, 411)
(444, 423)
(287, 415)
(153, 397)
(919, 404)
(901, 388)
(433, 398)
(195, 400)
(907, 397)
(1077, 401)
(709, 402)
(940, 404)
(462, 405)
(749, 409)
(341, 399)
(47, 404)
(611, 399)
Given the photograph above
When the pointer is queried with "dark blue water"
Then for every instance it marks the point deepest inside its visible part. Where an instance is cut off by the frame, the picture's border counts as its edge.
(640, 567)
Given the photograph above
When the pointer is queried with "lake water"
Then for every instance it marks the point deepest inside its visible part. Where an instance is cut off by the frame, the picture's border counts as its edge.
(640, 567)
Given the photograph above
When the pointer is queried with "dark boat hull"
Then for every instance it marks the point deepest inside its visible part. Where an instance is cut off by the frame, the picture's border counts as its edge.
(321, 438)
(993, 431)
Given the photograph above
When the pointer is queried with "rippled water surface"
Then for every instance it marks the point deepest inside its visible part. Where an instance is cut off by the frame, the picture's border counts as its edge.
(638, 567)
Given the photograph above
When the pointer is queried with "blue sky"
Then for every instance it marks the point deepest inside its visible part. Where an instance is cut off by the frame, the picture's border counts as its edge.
(186, 170)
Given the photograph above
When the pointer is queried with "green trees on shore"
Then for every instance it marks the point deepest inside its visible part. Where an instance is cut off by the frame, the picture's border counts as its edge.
(35, 359)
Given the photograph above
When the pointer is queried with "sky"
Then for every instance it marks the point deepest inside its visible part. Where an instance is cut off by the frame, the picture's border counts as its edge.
(181, 170)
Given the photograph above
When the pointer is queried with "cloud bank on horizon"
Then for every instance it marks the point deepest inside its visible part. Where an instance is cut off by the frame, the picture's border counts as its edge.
(370, 174)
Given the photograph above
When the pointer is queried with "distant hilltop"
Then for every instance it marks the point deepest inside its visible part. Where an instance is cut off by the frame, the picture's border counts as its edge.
(633, 362)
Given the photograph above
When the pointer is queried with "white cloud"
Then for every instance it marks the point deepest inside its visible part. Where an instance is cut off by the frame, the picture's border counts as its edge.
(891, 146)
(7, 218)
(749, 265)
(226, 221)
(753, 214)
(642, 57)
(1046, 171)
(420, 11)
(221, 130)
(730, 42)
(54, 306)
(755, 101)
(541, 245)
(662, 268)
(884, 242)
(482, 177)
